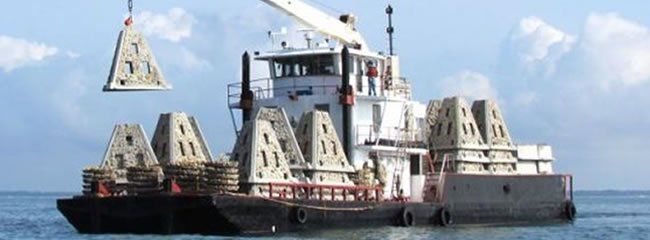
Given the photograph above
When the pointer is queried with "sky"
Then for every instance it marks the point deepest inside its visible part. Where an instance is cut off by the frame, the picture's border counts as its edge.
(572, 74)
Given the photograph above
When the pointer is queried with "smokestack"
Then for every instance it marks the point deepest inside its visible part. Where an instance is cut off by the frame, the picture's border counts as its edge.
(247, 96)
(346, 100)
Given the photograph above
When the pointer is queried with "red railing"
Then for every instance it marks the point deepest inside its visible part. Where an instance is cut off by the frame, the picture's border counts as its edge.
(306, 191)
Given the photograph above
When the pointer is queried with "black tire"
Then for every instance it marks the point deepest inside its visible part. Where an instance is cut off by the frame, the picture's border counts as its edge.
(570, 211)
(407, 218)
(445, 217)
(299, 215)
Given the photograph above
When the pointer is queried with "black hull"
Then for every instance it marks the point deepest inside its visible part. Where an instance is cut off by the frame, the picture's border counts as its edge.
(508, 200)
(544, 202)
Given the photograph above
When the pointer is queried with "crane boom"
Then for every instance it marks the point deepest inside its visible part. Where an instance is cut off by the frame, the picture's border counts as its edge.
(320, 21)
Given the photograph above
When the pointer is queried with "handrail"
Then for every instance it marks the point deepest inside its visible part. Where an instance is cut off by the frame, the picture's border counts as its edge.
(310, 189)
(263, 89)
(366, 133)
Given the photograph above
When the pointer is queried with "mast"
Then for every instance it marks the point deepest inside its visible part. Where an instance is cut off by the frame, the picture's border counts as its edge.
(390, 30)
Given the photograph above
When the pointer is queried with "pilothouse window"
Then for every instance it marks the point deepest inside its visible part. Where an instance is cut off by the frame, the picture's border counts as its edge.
(313, 65)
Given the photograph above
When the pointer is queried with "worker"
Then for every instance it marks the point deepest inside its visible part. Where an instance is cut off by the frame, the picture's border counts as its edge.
(388, 77)
(372, 76)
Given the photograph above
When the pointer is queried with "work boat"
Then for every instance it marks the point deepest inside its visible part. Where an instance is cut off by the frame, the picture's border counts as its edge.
(331, 139)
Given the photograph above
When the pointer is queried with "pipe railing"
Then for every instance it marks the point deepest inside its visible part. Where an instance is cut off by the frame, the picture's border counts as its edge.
(264, 89)
(319, 192)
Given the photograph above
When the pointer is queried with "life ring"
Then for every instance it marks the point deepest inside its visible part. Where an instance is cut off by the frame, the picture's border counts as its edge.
(300, 215)
(407, 219)
(445, 217)
(570, 211)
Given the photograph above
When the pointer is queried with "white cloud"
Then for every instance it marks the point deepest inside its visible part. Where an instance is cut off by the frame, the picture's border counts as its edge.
(468, 84)
(615, 51)
(537, 46)
(183, 59)
(72, 55)
(16, 53)
(174, 26)
(189, 61)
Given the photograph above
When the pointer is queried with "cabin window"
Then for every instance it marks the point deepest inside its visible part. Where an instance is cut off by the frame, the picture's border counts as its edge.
(360, 73)
(312, 65)
(376, 116)
(415, 165)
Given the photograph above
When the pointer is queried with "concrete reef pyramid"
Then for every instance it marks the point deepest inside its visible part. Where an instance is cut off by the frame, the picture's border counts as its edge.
(134, 66)
(322, 150)
(128, 148)
(455, 134)
(494, 131)
(178, 139)
(288, 143)
(260, 153)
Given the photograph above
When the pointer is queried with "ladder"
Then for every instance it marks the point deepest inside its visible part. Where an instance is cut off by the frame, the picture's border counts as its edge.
(401, 143)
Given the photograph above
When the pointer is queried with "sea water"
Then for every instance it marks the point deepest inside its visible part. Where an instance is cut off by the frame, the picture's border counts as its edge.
(601, 215)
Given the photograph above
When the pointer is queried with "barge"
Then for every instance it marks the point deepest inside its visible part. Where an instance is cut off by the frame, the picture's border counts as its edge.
(331, 139)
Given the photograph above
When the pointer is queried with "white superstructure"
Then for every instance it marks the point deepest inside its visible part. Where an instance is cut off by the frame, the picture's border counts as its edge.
(388, 128)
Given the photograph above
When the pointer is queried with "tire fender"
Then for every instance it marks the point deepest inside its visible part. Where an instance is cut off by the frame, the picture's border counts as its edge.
(445, 217)
(407, 218)
(299, 215)
(570, 211)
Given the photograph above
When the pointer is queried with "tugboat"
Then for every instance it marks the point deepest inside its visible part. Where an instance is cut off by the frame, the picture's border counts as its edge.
(332, 139)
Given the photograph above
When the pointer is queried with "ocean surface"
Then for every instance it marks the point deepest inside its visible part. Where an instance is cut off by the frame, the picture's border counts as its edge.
(601, 215)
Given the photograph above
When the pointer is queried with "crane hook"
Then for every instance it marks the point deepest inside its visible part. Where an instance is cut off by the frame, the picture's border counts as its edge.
(129, 20)
(131, 7)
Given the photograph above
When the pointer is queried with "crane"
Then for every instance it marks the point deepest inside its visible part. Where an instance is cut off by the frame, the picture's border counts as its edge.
(342, 30)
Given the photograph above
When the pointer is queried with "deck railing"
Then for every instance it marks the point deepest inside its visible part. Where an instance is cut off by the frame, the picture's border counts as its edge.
(324, 192)
(264, 89)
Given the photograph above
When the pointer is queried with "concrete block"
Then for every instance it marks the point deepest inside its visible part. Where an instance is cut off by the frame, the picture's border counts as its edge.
(134, 65)
(128, 147)
(178, 139)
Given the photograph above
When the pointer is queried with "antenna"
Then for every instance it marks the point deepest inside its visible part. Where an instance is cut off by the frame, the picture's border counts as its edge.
(390, 30)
